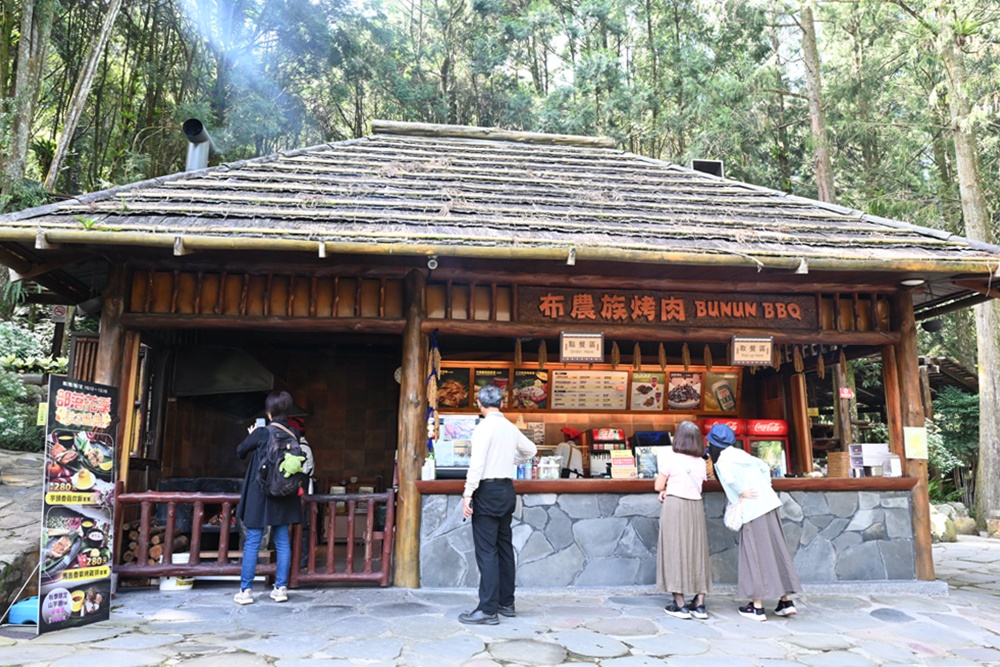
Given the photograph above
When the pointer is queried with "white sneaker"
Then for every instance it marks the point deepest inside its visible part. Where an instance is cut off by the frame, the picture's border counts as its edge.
(279, 594)
(245, 596)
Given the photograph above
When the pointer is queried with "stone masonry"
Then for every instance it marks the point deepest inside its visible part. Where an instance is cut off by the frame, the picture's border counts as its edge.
(610, 539)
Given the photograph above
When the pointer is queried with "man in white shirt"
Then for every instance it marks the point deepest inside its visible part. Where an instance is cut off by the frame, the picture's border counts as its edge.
(497, 447)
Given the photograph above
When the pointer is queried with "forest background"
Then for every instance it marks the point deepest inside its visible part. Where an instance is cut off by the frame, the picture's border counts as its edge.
(852, 101)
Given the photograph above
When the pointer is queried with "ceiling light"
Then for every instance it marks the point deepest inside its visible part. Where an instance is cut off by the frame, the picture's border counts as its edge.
(912, 282)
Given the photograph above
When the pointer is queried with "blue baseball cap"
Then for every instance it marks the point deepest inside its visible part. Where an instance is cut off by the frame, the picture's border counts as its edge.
(721, 436)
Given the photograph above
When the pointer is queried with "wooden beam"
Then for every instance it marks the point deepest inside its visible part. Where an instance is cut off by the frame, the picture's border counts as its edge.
(658, 333)
(843, 407)
(913, 416)
(412, 446)
(55, 261)
(460, 275)
(179, 322)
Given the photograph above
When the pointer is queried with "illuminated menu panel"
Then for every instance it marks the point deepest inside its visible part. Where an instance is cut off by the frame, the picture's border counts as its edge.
(589, 390)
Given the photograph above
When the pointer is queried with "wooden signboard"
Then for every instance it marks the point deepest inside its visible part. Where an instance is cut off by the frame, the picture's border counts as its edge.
(653, 308)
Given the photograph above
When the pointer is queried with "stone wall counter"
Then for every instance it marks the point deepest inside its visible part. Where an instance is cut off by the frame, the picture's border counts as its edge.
(600, 532)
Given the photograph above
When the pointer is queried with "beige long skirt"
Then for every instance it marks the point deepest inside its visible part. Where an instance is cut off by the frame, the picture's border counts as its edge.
(765, 569)
(682, 564)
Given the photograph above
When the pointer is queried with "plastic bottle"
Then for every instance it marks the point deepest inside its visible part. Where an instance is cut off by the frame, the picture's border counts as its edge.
(534, 467)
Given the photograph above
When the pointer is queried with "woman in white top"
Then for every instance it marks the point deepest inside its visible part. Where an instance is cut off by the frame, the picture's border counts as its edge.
(682, 564)
(765, 568)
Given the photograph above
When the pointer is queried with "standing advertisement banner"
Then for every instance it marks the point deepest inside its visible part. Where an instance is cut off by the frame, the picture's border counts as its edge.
(77, 512)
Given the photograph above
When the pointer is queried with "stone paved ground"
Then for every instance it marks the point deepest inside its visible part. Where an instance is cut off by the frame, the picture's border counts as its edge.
(926, 623)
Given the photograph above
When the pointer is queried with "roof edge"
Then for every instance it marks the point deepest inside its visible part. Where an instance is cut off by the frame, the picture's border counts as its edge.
(183, 244)
(488, 133)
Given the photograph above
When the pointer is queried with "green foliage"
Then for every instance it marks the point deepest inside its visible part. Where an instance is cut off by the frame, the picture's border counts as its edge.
(14, 364)
(18, 416)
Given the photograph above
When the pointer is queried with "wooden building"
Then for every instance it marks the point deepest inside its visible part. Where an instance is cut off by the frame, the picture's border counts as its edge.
(326, 269)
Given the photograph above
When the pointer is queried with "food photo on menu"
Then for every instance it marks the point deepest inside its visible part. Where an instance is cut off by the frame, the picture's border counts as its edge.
(78, 460)
(74, 538)
(684, 391)
(498, 377)
(647, 391)
(531, 389)
(453, 388)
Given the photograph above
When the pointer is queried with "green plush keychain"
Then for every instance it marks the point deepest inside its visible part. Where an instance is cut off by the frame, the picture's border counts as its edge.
(291, 464)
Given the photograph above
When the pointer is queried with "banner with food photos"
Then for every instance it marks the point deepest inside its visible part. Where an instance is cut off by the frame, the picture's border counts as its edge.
(78, 510)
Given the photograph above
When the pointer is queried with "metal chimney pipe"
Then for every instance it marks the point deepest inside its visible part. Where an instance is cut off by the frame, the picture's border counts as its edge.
(200, 145)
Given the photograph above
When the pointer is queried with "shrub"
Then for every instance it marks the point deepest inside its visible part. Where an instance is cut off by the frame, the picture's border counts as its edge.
(18, 416)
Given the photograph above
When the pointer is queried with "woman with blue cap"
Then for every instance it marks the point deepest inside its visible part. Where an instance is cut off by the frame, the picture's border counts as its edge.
(765, 567)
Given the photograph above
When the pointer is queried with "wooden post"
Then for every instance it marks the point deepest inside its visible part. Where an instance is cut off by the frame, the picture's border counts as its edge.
(412, 434)
(843, 406)
(893, 410)
(800, 419)
(111, 342)
(925, 392)
(912, 412)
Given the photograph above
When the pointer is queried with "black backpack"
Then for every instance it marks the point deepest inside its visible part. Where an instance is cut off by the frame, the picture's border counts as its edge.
(272, 480)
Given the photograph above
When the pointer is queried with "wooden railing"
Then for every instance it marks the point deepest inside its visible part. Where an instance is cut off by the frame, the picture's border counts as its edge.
(358, 508)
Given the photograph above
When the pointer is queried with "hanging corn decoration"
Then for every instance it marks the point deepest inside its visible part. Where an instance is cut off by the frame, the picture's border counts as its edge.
(797, 357)
(616, 356)
(686, 357)
(776, 358)
(432, 391)
(543, 355)
(820, 367)
(843, 361)
(708, 359)
(517, 352)
(637, 357)
(663, 357)
(436, 360)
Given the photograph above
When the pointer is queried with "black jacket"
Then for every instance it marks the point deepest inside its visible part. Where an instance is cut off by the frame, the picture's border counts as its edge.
(255, 509)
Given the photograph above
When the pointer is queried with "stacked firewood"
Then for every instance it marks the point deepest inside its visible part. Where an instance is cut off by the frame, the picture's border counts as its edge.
(130, 554)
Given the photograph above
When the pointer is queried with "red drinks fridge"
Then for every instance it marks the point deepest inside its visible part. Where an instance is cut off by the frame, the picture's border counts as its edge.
(738, 426)
(768, 439)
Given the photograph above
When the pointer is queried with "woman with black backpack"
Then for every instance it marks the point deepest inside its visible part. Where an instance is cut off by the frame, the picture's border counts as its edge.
(258, 510)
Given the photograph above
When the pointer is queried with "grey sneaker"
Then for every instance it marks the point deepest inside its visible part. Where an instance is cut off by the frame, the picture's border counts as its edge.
(245, 596)
(279, 594)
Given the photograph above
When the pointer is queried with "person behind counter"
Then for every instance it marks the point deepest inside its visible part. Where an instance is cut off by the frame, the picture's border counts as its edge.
(570, 454)
(497, 446)
(257, 511)
(682, 564)
(765, 568)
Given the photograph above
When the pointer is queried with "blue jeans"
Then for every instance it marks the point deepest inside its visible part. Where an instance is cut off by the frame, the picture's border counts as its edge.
(251, 549)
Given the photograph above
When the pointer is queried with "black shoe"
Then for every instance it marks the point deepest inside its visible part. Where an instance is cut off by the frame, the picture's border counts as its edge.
(478, 617)
(677, 612)
(698, 611)
(752, 612)
(507, 611)
(785, 608)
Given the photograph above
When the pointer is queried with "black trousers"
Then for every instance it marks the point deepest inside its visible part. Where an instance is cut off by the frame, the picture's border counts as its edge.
(492, 507)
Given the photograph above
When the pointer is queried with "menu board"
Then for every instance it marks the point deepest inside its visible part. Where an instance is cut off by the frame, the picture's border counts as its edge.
(589, 390)
(77, 537)
(531, 389)
(453, 388)
(647, 390)
(498, 377)
(684, 391)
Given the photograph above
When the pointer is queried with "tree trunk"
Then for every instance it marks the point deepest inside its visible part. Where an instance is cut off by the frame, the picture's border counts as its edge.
(977, 226)
(36, 24)
(814, 85)
(80, 94)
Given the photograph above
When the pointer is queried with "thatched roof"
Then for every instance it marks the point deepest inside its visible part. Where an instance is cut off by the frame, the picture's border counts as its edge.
(476, 192)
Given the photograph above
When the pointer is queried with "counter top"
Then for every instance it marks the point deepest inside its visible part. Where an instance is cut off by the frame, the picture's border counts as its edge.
(598, 485)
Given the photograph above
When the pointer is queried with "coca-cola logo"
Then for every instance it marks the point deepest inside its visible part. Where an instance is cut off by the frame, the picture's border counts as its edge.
(735, 424)
(767, 427)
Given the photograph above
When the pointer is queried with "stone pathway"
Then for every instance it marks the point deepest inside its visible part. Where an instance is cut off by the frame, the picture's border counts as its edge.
(954, 622)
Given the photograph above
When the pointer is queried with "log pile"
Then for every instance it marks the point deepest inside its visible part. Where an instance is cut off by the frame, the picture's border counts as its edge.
(130, 553)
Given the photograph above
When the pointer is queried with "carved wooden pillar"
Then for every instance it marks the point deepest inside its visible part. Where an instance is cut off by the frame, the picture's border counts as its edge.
(412, 434)
(912, 412)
